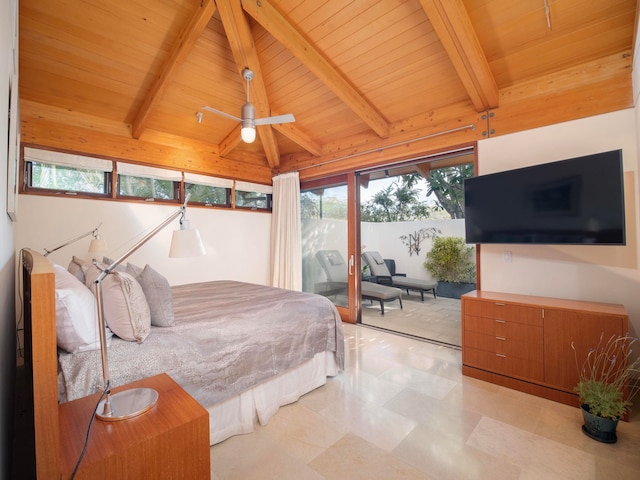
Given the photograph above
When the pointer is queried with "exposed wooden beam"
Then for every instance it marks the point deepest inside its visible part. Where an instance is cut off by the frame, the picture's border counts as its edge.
(231, 141)
(187, 38)
(299, 137)
(423, 169)
(451, 23)
(238, 31)
(403, 145)
(265, 14)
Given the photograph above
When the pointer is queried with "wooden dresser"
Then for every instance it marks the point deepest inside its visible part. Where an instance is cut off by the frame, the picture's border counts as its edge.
(524, 342)
(168, 442)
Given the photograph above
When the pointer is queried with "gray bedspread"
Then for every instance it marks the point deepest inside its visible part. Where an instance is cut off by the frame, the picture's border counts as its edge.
(228, 337)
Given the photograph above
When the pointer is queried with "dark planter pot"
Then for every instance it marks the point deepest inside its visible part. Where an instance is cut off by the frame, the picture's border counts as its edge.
(598, 428)
(454, 290)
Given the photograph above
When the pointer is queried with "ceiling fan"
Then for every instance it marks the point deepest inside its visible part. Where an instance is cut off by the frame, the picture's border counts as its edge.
(249, 120)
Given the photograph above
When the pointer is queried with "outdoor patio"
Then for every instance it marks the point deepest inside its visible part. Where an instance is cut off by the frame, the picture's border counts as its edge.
(435, 319)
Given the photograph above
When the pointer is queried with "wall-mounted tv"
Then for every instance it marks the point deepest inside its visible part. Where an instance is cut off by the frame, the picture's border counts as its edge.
(574, 201)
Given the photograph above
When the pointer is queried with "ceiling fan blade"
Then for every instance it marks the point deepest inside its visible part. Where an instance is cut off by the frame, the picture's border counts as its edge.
(286, 118)
(220, 112)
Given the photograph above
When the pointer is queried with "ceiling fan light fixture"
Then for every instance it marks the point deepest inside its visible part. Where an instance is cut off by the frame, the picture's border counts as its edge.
(248, 134)
(248, 115)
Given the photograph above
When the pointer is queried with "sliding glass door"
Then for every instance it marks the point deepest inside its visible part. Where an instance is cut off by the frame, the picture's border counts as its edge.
(329, 264)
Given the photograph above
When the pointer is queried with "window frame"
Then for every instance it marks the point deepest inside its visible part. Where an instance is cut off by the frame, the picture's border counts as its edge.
(28, 187)
(175, 188)
(112, 183)
(269, 200)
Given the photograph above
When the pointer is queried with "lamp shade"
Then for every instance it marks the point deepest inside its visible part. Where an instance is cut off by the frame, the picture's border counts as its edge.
(186, 243)
(248, 134)
(97, 245)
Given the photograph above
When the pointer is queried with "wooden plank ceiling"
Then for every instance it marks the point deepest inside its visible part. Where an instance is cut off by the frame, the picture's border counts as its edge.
(367, 81)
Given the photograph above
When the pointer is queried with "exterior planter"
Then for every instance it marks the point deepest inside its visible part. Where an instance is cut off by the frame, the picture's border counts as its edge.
(598, 428)
(453, 289)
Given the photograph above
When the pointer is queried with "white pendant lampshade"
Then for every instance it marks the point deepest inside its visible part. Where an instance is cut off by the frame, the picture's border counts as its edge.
(186, 242)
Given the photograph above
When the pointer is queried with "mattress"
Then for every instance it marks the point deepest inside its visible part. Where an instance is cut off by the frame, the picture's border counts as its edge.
(231, 343)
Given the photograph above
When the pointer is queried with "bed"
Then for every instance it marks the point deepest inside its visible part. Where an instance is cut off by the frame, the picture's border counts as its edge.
(241, 350)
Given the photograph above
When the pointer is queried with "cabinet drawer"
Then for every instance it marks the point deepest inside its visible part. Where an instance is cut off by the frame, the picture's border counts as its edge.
(504, 364)
(502, 328)
(528, 348)
(503, 311)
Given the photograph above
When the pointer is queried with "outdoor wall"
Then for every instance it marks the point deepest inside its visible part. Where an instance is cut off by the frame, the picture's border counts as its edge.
(237, 242)
(582, 272)
(329, 234)
(385, 238)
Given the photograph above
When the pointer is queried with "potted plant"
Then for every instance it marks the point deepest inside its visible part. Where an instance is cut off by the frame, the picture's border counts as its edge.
(608, 379)
(451, 262)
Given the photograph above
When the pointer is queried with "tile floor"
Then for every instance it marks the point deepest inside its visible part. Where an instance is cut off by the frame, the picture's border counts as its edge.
(436, 318)
(402, 409)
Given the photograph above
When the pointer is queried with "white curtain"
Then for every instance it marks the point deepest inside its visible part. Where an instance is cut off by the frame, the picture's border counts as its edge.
(286, 241)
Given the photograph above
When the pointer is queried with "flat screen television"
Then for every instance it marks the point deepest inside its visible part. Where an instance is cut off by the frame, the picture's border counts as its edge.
(574, 201)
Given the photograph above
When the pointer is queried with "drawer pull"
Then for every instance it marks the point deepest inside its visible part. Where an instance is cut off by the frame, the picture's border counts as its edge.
(501, 355)
(501, 338)
(500, 304)
(500, 321)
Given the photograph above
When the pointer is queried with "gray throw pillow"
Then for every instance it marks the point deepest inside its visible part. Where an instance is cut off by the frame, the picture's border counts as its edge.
(157, 290)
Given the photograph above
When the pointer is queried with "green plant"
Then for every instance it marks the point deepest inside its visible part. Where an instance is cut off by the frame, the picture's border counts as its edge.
(451, 260)
(606, 374)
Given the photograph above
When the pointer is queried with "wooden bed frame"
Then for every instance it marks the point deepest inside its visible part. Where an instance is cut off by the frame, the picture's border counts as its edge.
(39, 307)
(170, 441)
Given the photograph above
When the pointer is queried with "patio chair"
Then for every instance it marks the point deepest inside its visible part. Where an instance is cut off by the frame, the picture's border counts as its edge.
(380, 271)
(335, 268)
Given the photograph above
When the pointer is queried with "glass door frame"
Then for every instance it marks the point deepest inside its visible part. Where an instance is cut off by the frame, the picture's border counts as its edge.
(350, 313)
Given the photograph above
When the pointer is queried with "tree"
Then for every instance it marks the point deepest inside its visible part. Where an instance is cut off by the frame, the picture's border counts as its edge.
(398, 202)
(309, 205)
(447, 185)
(314, 205)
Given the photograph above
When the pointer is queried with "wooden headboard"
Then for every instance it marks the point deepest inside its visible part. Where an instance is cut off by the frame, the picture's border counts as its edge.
(39, 307)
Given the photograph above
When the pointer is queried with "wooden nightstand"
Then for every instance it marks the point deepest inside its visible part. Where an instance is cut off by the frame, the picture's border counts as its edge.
(170, 441)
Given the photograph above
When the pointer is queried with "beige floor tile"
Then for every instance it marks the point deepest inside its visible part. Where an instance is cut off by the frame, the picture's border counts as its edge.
(353, 458)
(537, 457)
(374, 423)
(257, 456)
(442, 454)
(302, 432)
(419, 380)
(402, 409)
(438, 416)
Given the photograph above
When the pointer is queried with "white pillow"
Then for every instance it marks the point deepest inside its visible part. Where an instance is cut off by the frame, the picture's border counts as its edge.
(76, 314)
(126, 310)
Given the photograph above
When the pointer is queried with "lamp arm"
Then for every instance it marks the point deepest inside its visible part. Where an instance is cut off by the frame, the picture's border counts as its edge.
(107, 409)
(93, 232)
(145, 239)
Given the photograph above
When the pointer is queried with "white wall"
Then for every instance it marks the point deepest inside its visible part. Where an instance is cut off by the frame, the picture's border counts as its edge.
(7, 257)
(237, 242)
(582, 272)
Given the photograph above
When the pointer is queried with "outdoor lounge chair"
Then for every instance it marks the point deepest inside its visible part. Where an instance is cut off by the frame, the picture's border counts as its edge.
(380, 271)
(335, 268)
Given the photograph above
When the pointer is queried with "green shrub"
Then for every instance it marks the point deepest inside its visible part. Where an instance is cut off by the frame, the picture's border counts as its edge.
(451, 260)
